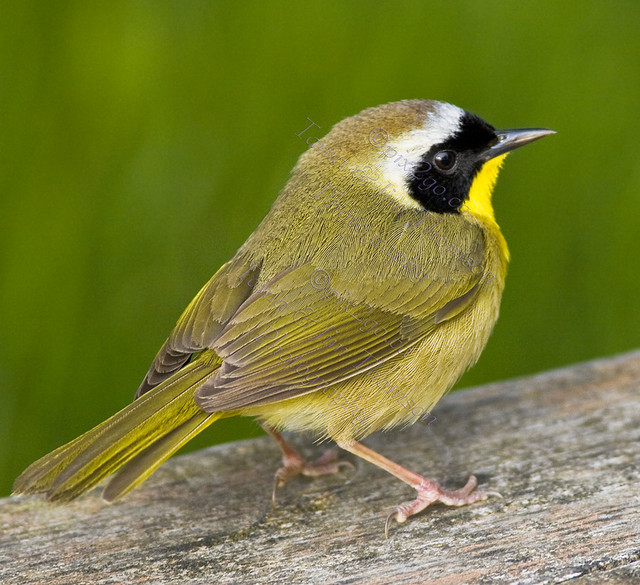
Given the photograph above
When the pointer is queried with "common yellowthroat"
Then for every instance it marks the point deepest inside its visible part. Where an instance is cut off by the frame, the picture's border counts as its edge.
(371, 285)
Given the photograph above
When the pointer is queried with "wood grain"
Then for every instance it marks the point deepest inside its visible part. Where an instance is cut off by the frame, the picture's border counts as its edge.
(561, 447)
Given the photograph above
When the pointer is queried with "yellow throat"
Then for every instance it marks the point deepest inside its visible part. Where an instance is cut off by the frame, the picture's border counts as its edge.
(479, 202)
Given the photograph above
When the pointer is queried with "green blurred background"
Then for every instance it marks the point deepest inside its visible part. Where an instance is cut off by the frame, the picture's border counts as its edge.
(142, 142)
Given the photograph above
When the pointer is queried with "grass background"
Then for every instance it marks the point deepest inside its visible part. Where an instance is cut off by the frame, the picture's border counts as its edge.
(142, 142)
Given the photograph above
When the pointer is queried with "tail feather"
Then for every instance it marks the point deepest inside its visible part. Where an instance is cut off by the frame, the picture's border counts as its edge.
(138, 469)
(137, 439)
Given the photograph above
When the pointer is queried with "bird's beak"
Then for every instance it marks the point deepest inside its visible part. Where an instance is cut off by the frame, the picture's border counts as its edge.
(508, 140)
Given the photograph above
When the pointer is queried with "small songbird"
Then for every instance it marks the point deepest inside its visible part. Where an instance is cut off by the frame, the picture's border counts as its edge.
(371, 285)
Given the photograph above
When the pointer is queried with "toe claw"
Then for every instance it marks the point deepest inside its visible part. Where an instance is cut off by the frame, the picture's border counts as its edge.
(399, 514)
(279, 480)
(498, 494)
(392, 515)
(276, 485)
(346, 464)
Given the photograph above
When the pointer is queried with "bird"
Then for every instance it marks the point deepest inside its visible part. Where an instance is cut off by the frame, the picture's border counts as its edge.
(372, 284)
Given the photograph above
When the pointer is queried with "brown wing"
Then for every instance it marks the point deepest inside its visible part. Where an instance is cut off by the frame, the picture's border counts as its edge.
(202, 320)
(295, 335)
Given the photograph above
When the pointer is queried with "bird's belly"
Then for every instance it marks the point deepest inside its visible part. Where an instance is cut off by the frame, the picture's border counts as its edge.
(398, 392)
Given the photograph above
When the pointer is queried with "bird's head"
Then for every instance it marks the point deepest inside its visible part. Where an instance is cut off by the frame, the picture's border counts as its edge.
(426, 154)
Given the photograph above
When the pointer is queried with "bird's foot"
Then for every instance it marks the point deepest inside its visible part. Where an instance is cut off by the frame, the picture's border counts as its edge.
(294, 464)
(430, 492)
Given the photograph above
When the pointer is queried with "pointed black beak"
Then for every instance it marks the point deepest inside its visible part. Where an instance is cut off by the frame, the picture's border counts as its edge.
(508, 140)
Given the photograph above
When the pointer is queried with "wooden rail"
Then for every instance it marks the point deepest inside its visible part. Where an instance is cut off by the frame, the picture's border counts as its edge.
(563, 448)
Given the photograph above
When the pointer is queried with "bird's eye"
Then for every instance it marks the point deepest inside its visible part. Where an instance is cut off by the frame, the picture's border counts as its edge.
(445, 160)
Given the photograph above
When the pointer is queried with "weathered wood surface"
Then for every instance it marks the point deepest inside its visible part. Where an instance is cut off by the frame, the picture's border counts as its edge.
(561, 447)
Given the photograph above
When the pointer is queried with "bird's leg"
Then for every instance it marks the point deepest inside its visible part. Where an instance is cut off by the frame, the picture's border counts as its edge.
(294, 464)
(428, 491)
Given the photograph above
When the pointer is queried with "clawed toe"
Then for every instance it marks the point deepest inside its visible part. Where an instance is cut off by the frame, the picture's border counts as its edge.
(398, 514)
(293, 464)
(430, 492)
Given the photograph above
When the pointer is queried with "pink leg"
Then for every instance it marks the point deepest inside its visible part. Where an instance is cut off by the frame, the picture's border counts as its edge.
(428, 491)
(294, 464)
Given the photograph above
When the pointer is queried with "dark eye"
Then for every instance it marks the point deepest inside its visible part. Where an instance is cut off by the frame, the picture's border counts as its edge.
(445, 160)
